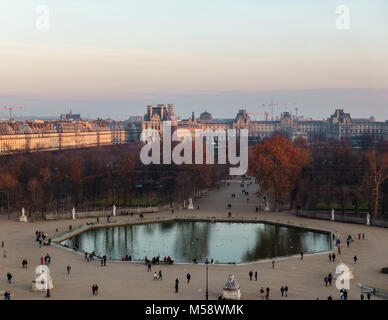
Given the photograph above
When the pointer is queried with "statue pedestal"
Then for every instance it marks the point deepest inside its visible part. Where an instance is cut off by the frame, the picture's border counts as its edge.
(231, 294)
(23, 219)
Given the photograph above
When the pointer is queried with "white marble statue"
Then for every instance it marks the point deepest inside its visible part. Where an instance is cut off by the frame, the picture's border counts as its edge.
(368, 219)
(73, 212)
(191, 205)
(232, 289)
(332, 214)
(23, 217)
(114, 210)
(267, 206)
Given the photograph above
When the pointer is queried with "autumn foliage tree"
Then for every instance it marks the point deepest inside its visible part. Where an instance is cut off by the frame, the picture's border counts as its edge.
(277, 164)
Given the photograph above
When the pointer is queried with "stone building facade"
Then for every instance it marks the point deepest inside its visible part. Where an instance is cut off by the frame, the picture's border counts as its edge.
(40, 135)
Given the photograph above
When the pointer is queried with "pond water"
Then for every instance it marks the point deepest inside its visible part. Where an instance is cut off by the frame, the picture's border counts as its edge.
(225, 242)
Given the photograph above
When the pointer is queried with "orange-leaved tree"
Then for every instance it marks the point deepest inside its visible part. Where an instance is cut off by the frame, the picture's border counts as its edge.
(277, 163)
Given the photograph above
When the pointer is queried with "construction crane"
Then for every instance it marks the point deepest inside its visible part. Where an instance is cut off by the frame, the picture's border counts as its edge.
(272, 105)
(10, 111)
(284, 104)
(254, 114)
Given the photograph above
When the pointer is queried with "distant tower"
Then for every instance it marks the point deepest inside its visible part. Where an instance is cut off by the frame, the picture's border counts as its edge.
(170, 110)
(149, 111)
(192, 116)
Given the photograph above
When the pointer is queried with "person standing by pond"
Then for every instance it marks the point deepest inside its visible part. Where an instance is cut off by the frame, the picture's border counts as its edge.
(176, 285)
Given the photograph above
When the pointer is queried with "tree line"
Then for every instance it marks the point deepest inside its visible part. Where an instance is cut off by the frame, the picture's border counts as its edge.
(97, 177)
(323, 174)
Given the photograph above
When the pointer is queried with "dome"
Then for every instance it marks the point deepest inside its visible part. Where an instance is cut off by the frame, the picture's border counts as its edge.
(205, 116)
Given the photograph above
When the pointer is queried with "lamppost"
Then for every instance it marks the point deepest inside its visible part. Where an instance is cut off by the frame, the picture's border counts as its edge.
(48, 291)
(48, 283)
(207, 289)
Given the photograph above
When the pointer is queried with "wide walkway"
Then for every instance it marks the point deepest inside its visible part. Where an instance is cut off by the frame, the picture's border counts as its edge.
(121, 280)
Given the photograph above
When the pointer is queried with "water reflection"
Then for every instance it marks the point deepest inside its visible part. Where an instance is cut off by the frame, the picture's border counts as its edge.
(185, 241)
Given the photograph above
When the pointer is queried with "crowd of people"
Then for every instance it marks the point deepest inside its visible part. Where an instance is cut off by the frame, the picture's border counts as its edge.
(42, 238)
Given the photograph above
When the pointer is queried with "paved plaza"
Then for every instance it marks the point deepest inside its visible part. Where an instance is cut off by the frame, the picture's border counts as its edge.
(130, 280)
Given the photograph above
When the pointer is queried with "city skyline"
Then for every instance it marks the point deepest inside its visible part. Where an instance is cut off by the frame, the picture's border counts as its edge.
(110, 61)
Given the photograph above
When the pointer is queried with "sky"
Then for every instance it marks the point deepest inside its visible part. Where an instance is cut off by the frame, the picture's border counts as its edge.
(111, 58)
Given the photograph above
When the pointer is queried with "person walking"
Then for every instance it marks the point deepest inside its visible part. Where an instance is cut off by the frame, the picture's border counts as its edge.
(149, 267)
(286, 291)
(326, 280)
(176, 285)
(7, 295)
(24, 263)
(9, 277)
(267, 293)
(250, 275)
(160, 275)
(362, 296)
(330, 278)
(68, 269)
(330, 257)
(155, 276)
(262, 293)
(355, 259)
(333, 256)
(282, 291)
(301, 255)
(273, 264)
(188, 277)
(256, 275)
(368, 295)
(41, 260)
